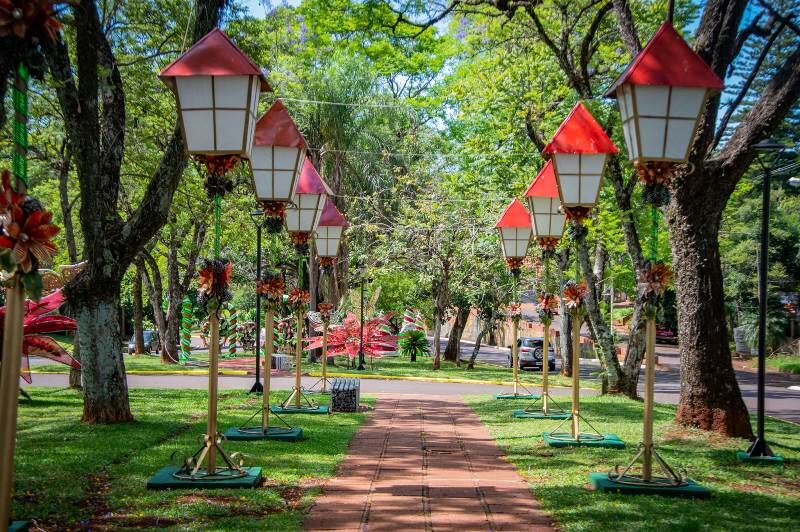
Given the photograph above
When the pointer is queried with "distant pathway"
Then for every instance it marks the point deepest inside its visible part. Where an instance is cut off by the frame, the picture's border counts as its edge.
(427, 464)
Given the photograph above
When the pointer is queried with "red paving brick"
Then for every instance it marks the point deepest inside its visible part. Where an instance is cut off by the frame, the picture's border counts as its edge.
(426, 464)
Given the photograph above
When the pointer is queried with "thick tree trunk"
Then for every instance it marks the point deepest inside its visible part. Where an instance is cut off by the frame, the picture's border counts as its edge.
(105, 383)
(629, 379)
(710, 397)
(138, 314)
(437, 339)
(453, 350)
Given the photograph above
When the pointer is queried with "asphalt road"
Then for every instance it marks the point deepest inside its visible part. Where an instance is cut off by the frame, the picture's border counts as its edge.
(781, 400)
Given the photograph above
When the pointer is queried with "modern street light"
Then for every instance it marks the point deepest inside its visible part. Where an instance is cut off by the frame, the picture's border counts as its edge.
(364, 280)
(258, 220)
(759, 450)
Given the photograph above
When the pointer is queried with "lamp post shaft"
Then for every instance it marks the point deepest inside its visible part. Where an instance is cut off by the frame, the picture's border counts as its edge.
(515, 352)
(649, 386)
(269, 347)
(361, 331)
(545, 366)
(257, 387)
(759, 446)
(213, 367)
(576, 378)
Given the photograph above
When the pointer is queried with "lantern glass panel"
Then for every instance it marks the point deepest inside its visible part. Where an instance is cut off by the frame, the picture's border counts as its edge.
(327, 240)
(275, 170)
(685, 102)
(679, 136)
(199, 130)
(303, 216)
(231, 128)
(652, 100)
(515, 241)
(652, 132)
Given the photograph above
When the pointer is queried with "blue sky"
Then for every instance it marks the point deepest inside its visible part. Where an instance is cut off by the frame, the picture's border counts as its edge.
(256, 7)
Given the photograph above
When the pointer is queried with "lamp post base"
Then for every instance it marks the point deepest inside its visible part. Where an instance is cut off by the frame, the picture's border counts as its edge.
(604, 483)
(541, 413)
(19, 526)
(584, 439)
(516, 396)
(171, 478)
(746, 458)
(257, 433)
(291, 409)
(257, 388)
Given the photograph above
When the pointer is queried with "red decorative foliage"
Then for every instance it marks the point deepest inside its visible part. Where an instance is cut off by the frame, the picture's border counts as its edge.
(36, 324)
(299, 298)
(656, 172)
(575, 295)
(299, 238)
(218, 164)
(548, 243)
(28, 19)
(345, 339)
(579, 214)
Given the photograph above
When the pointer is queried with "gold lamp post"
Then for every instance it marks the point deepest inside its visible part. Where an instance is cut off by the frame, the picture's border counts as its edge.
(327, 238)
(515, 230)
(661, 97)
(217, 89)
(548, 225)
(579, 150)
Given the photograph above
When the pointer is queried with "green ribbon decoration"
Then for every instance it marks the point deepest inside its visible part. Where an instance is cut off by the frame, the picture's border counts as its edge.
(19, 163)
(653, 233)
(217, 225)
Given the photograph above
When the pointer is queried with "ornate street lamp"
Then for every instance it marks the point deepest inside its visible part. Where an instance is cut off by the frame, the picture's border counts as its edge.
(276, 162)
(327, 238)
(580, 150)
(516, 230)
(548, 226)
(301, 220)
(661, 96)
(216, 87)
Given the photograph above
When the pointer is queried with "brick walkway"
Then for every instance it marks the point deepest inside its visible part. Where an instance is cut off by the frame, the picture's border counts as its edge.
(425, 464)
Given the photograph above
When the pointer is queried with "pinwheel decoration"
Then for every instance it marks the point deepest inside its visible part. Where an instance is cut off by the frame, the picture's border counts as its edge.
(548, 304)
(345, 339)
(271, 287)
(575, 296)
(37, 324)
(299, 298)
(654, 279)
(214, 278)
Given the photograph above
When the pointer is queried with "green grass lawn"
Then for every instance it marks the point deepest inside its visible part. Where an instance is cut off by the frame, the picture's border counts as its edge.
(422, 369)
(75, 476)
(746, 498)
(785, 363)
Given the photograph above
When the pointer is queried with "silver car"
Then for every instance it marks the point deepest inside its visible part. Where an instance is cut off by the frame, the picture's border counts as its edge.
(530, 354)
(151, 342)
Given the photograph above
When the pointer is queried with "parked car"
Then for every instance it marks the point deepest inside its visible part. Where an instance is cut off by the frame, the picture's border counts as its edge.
(530, 354)
(665, 335)
(151, 342)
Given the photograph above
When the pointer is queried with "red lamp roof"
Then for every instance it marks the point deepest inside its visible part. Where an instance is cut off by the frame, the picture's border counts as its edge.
(580, 133)
(668, 60)
(310, 182)
(544, 184)
(213, 55)
(515, 215)
(331, 217)
(276, 128)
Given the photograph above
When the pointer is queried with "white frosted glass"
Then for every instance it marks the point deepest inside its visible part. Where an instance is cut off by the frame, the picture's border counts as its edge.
(590, 186)
(199, 131)
(231, 91)
(230, 130)
(542, 223)
(566, 163)
(630, 140)
(261, 158)
(651, 133)
(263, 184)
(194, 92)
(569, 188)
(622, 102)
(286, 158)
(679, 136)
(686, 102)
(539, 205)
(557, 222)
(592, 163)
(651, 100)
(285, 184)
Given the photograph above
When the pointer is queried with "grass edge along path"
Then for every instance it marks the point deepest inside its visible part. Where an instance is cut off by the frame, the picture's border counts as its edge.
(745, 497)
(75, 476)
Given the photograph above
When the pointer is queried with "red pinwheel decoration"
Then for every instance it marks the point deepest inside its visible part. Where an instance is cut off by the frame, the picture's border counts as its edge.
(575, 295)
(345, 339)
(214, 278)
(39, 322)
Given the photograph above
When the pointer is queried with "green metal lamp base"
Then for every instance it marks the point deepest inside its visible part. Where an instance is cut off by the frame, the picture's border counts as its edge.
(743, 457)
(534, 414)
(516, 396)
(18, 526)
(257, 434)
(691, 489)
(165, 479)
(563, 439)
(316, 409)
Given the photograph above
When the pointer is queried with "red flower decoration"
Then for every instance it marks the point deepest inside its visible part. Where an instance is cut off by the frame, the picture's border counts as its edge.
(271, 287)
(27, 232)
(325, 310)
(299, 238)
(579, 214)
(514, 263)
(345, 339)
(656, 172)
(28, 19)
(575, 295)
(514, 310)
(217, 164)
(299, 298)
(213, 280)
(548, 243)
(36, 325)
(654, 279)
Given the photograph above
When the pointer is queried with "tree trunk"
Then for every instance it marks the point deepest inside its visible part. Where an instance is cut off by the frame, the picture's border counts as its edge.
(138, 313)
(105, 384)
(565, 321)
(629, 379)
(437, 338)
(710, 397)
(453, 350)
(487, 326)
(601, 334)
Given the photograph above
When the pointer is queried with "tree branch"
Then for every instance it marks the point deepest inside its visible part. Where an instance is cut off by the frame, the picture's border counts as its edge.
(627, 27)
